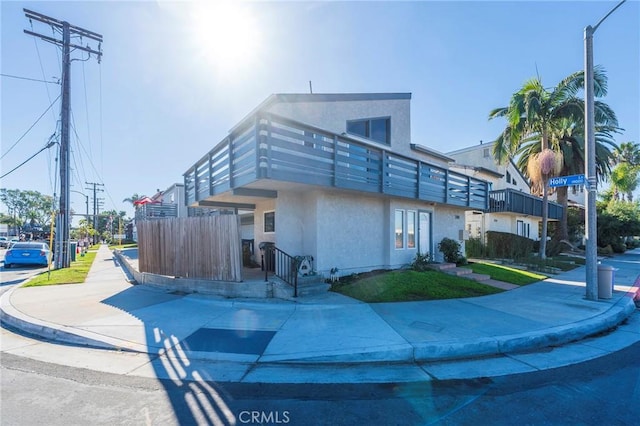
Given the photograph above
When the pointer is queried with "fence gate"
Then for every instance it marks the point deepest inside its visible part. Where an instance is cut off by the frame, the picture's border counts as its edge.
(206, 247)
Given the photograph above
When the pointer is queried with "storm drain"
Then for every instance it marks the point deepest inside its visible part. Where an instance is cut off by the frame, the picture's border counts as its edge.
(252, 342)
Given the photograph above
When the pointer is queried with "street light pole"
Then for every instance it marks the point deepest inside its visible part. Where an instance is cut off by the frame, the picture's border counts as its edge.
(87, 206)
(86, 202)
(591, 216)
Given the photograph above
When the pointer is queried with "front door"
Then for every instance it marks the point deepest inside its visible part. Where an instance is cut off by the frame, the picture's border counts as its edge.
(424, 233)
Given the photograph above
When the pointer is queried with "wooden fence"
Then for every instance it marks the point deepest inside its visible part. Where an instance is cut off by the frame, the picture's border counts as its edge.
(207, 247)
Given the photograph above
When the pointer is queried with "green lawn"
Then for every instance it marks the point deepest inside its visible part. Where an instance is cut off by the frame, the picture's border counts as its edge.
(122, 246)
(403, 286)
(74, 274)
(505, 273)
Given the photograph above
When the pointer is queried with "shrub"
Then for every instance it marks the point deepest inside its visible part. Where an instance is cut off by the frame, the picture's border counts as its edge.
(506, 245)
(451, 250)
(554, 247)
(421, 262)
(475, 248)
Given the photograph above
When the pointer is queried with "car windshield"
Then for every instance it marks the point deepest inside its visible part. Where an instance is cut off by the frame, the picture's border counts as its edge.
(32, 246)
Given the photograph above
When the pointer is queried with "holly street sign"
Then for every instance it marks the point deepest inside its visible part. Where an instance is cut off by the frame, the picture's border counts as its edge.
(566, 181)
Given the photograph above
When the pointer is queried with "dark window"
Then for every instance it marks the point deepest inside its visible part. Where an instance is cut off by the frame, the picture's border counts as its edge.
(376, 129)
(508, 177)
(359, 128)
(270, 222)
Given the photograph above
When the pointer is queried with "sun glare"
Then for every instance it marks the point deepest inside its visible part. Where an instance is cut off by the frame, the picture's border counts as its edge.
(226, 34)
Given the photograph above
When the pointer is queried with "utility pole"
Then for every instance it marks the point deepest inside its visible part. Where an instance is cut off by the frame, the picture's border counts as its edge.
(63, 223)
(95, 205)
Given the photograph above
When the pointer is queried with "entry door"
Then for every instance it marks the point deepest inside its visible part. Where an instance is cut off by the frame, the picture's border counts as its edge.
(424, 233)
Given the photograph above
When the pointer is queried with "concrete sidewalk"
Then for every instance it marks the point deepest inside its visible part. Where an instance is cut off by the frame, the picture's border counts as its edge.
(159, 334)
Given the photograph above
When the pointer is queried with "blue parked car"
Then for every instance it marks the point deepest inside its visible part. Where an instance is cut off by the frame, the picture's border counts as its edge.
(27, 253)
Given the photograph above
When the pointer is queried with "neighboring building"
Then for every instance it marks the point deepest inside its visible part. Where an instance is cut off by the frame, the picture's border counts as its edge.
(174, 195)
(512, 208)
(336, 177)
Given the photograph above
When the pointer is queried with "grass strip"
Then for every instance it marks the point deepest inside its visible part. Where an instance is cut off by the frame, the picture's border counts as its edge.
(505, 273)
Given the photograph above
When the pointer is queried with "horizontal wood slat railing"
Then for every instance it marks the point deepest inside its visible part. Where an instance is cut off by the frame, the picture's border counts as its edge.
(268, 146)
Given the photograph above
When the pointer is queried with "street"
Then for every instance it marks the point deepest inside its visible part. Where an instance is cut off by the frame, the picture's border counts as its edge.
(602, 391)
(15, 275)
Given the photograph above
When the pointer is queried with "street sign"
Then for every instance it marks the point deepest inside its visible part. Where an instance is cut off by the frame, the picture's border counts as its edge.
(566, 181)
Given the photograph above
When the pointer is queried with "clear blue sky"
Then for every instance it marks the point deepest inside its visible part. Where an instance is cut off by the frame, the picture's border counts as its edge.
(169, 88)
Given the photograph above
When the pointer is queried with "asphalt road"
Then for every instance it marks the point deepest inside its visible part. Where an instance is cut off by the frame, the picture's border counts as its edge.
(16, 274)
(602, 391)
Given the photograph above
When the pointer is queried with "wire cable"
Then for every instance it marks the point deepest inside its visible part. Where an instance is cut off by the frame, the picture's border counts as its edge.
(29, 129)
(30, 79)
(86, 107)
(35, 43)
(49, 145)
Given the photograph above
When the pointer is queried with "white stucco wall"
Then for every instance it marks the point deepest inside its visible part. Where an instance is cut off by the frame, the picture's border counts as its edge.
(481, 156)
(509, 223)
(351, 232)
(258, 225)
(333, 117)
(448, 222)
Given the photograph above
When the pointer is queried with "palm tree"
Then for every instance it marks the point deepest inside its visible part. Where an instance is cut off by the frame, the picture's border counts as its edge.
(624, 178)
(135, 197)
(626, 174)
(536, 113)
(627, 152)
(568, 139)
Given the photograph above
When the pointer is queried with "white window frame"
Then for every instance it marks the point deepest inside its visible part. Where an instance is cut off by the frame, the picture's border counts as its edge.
(395, 229)
(411, 213)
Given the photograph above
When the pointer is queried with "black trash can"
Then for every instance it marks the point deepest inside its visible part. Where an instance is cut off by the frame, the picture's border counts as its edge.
(73, 246)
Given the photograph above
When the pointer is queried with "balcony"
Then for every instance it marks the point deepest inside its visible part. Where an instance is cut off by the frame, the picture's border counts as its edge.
(156, 211)
(510, 201)
(270, 147)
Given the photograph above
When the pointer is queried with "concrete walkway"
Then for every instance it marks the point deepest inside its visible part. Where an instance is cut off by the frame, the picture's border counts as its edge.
(154, 333)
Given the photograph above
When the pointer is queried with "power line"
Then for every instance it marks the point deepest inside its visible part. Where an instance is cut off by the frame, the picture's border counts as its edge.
(30, 79)
(49, 145)
(29, 129)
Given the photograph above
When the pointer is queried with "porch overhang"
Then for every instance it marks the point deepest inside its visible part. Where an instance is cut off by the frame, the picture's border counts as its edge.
(225, 205)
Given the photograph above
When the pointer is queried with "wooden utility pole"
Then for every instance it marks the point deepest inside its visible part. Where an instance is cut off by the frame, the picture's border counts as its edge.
(63, 223)
(95, 207)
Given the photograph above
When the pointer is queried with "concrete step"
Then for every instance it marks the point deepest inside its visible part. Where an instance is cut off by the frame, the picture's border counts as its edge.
(307, 286)
(312, 289)
(442, 266)
(458, 272)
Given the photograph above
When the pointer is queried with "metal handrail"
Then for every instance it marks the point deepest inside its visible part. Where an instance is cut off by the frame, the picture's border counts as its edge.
(283, 266)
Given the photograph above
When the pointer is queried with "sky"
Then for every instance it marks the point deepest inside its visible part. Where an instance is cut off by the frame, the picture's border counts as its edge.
(176, 76)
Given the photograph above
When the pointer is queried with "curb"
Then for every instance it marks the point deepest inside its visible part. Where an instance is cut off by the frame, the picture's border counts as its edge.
(417, 353)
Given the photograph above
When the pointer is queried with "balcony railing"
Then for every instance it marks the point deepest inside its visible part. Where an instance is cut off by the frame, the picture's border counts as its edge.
(274, 147)
(156, 211)
(511, 201)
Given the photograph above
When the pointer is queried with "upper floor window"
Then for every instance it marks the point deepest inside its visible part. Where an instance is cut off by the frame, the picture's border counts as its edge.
(376, 129)
(509, 180)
